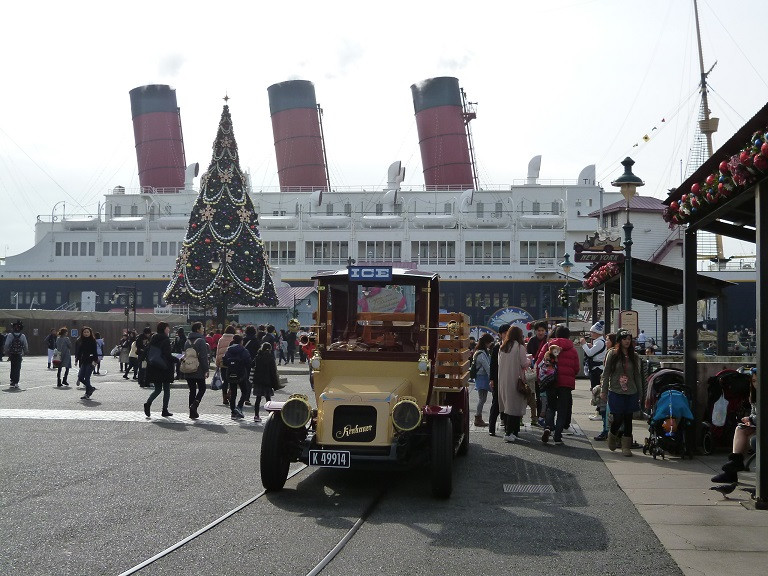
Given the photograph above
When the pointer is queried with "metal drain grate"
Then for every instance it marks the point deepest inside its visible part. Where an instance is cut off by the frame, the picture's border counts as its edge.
(529, 489)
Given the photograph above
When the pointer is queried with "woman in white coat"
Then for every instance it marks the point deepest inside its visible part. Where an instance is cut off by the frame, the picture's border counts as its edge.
(513, 360)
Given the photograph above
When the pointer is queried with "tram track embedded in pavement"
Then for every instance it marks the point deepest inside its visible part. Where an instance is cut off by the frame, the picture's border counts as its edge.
(202, 530)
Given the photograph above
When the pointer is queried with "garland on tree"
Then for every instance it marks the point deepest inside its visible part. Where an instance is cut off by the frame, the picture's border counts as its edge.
(600, 274)
(223, 228)
(734, 175)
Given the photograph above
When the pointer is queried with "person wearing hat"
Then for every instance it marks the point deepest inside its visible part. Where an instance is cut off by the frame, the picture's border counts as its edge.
(621, 385)
(15, 347)
(594, 358)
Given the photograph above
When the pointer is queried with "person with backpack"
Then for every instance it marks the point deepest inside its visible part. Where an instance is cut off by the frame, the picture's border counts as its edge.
(86, 355)
(160, 368)
(264, 377)
(237, 361)
(194, 366)
(50, 342)
(482, 368)
(15, 347)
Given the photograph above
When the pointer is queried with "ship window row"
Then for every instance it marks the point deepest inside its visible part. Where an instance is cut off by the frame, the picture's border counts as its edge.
(533, 253)
(123, 249)
(33, 299)
(75, 248)
(423, 252)
(482, 305)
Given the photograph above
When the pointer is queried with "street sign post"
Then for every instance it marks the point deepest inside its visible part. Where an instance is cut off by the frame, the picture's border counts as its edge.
(628, 320)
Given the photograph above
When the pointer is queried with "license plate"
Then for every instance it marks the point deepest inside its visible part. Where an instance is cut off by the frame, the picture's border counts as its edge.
(329, 458)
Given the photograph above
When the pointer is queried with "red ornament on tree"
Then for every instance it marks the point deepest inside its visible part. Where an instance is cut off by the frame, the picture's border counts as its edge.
(710, 179)
(724, 167)
(761, 162)
(695, 188)
(247, 279)
(207, 240)
(674, 206)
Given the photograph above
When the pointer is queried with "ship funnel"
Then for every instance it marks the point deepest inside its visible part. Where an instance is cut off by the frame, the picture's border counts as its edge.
(298, 136)
(588, 176)
(189, 176)
(534, 168)
(442, 133)
(157, 133)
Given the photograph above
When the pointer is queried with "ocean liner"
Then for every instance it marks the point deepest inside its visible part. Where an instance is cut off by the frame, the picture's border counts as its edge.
(497, 249)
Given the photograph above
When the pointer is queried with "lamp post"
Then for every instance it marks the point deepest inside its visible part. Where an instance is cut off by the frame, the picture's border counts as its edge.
(567, 266)
(129, 292)
(629, 183)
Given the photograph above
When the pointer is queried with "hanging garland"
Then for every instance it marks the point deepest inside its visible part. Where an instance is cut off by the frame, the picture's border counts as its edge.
(601, 274)
(732, 177)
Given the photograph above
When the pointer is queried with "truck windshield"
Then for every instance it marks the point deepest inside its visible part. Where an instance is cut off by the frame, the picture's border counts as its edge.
(379, 318)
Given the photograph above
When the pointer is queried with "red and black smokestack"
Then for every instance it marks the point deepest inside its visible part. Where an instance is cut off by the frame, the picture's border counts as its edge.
(442, 133)
(157, 133)
(298, 136)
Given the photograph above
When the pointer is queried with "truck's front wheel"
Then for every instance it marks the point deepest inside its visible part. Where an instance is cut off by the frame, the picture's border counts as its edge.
(442, 458)
(274, 454)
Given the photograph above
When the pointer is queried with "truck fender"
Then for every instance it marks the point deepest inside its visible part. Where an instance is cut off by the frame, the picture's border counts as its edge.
(437, 411)
(273, 406)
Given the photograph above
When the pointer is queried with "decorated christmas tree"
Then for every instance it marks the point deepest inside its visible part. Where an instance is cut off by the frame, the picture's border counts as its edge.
(222, 257)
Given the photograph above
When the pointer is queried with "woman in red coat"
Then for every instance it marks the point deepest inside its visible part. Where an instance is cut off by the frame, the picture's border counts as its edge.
(560, 395)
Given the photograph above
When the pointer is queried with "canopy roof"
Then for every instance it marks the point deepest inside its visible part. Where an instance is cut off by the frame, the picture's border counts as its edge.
(662, 285)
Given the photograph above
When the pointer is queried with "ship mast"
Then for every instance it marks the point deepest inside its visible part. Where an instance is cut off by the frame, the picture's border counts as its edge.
(707, 125)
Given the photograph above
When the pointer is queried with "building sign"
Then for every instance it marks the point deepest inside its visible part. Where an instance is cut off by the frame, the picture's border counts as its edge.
(599, 257)
(370, 273)
(628, 321)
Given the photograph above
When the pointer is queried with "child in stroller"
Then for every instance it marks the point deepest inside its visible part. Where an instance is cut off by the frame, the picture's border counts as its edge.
(670, 414)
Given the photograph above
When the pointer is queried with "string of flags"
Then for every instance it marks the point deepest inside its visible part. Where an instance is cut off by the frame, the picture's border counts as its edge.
(647, 137)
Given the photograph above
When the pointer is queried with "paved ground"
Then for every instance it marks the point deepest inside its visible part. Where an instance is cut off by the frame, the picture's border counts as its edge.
(96, 488)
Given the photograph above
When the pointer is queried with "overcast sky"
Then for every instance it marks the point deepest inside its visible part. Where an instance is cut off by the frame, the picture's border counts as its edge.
(578, 81)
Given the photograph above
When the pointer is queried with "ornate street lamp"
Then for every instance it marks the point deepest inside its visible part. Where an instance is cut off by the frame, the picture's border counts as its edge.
(629, 183)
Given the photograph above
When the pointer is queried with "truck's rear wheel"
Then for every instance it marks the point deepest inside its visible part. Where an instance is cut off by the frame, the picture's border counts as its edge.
(442, 458)
(464, 445)
(274, 459)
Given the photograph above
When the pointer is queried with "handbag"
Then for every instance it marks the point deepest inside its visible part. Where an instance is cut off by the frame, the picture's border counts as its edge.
(522, 386)
(216, 382)
(155, 358)
(56, 361)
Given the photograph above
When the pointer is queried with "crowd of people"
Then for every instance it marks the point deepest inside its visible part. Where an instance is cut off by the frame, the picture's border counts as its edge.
(537, 375)
(241, 359)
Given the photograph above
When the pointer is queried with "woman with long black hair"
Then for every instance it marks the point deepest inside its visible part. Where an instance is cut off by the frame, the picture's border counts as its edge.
(87, 357)
(64, 346)
(513, 361)
(621, 385)
(160, 367)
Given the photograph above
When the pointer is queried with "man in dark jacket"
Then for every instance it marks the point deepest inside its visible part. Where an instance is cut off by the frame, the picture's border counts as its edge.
(196, 380)
(141, 350)
(238, 362)
(494, 378)
(15, 347)
(251, 342)
(560, 395)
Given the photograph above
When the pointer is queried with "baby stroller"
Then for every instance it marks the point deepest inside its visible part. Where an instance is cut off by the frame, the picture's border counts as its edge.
(733, 387)
(671, 417)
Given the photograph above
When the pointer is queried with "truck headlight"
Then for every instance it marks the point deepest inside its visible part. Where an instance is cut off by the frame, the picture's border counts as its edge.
(315, 361)
(406, 414)
(296, 411)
